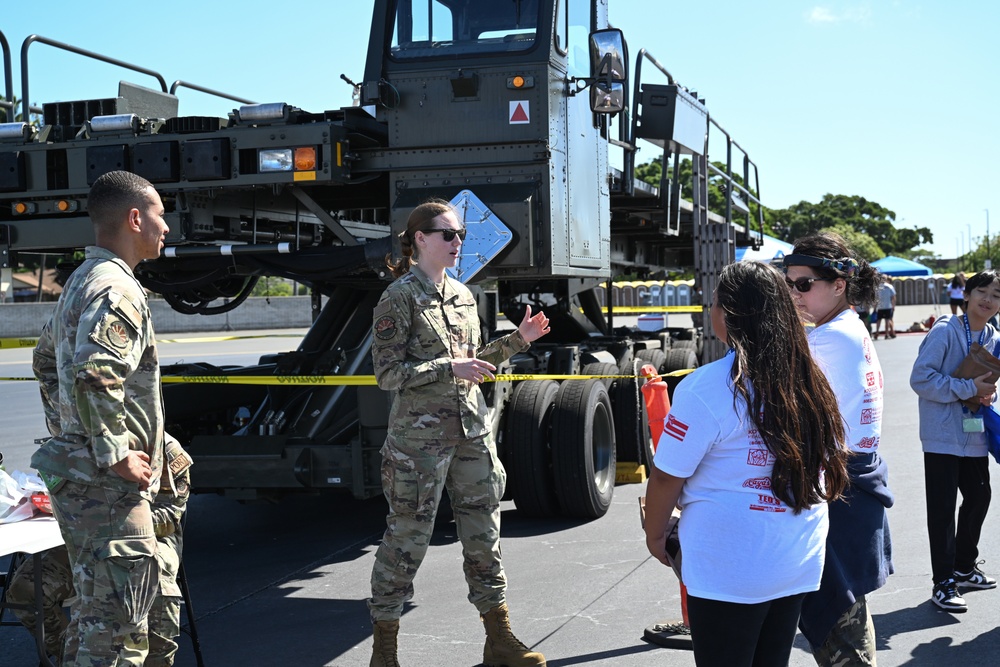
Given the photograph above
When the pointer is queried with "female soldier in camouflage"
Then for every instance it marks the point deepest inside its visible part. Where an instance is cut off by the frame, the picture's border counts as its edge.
(428, 351)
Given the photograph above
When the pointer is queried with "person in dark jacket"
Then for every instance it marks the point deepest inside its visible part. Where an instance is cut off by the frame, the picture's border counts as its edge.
(826, 278)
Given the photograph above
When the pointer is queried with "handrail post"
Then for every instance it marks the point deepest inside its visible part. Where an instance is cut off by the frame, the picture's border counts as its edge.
(30, 39)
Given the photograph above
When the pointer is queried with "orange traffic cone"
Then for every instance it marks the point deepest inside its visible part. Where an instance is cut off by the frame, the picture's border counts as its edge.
(654, 392)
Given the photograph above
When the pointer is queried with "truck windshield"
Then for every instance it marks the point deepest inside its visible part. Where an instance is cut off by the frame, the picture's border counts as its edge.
(429, 28)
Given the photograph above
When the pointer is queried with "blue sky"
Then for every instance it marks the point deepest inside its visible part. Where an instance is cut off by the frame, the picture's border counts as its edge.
(893, 100)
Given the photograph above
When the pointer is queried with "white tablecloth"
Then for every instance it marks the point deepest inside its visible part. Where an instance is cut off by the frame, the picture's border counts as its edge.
(30, 536)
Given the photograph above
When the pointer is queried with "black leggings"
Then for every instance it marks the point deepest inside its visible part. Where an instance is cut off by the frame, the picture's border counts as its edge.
(729, 634)
(955, 546)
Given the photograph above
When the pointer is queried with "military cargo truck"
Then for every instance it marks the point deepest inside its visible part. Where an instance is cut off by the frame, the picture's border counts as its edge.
(528, 114)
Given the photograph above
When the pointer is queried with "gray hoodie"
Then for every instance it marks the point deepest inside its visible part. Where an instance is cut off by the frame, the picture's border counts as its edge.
(939, 393)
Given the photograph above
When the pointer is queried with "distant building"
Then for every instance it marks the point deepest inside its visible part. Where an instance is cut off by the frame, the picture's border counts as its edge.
(25, 286)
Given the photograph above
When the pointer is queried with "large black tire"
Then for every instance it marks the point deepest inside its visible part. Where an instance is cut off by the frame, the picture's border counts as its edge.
(678, 360)
(685, 345)
(583, 449)
(632, 439)
(526, 438)
(657, 358)
(601, 368)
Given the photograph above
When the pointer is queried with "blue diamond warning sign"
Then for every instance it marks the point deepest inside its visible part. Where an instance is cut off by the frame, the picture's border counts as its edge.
(519, 113)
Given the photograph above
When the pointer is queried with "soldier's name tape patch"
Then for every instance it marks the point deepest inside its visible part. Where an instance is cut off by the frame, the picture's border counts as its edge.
(125, 308)
(385, 328)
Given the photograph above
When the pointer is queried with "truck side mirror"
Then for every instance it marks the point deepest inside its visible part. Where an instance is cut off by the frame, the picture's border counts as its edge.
(608, 70)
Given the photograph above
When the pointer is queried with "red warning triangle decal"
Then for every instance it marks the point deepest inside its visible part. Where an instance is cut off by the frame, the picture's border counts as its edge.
(519, 115)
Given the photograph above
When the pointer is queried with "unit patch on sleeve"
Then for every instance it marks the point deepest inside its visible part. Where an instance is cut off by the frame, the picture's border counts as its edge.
(385, 328)
(114, 334)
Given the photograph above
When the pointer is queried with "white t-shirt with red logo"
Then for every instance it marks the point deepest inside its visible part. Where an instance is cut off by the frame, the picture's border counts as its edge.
(843, 349)
(740, 543)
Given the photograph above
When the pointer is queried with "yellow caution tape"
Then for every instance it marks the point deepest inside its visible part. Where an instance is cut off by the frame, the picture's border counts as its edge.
(31, 342)
(8, 343)
(654, 309)
(354, 380)
(215, 339)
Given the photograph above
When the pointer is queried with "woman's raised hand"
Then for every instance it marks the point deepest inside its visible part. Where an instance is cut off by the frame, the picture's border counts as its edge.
(533, 327)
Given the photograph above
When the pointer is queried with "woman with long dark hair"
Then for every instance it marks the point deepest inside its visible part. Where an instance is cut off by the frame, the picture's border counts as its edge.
(752, 452)
(825, 279)
(956, 293)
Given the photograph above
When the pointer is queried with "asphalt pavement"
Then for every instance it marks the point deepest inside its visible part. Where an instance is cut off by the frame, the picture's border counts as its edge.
(286, 584)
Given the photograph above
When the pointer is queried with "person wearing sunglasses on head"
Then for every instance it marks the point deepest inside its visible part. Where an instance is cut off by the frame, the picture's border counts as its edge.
(954, 443)
(428, 350)
(826, 278)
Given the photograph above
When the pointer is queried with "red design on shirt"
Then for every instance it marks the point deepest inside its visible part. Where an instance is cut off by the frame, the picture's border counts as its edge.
(767, 504)
(675, 428)
(868, 443)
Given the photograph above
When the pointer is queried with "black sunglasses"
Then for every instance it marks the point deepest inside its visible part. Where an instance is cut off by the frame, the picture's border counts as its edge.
(448, 234)
(803, 285)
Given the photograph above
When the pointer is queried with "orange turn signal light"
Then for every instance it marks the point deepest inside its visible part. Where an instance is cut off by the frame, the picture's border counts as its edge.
(305, 159)
(518, 81)
(20, 207)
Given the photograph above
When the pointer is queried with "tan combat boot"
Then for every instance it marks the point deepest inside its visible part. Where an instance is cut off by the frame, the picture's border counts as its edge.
(502, 648)
(384, 649)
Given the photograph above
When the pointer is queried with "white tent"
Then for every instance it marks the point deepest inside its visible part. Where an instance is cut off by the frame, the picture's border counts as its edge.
(770, 250)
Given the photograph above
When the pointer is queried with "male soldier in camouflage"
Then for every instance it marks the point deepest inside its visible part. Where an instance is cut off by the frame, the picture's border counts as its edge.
(57, 579)
(97, 365)
(427, 351)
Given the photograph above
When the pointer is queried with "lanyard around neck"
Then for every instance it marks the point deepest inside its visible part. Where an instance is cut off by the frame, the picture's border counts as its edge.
(968, 333)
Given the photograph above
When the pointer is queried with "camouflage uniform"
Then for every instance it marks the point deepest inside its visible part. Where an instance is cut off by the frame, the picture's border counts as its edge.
(57, 587)
(57, 579)
(438, 438)
(100, 382)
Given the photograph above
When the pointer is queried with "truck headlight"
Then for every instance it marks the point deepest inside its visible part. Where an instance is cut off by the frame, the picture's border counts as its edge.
(275, 159)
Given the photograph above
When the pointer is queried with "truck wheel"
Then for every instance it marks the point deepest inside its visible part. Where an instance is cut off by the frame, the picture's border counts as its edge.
(632, 439)
(601, 368)
(583, 449)
(678, 360)
(685, 345)
(527, 438)
(657, 358)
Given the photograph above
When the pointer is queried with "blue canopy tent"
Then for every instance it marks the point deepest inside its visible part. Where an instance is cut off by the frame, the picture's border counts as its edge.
(897, 266)
(771, 250)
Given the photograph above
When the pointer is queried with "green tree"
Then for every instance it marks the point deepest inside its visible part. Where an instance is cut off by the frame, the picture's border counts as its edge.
(652, 172)
(862, 244)
(270, 286)
(854, 211)
(5, 113)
